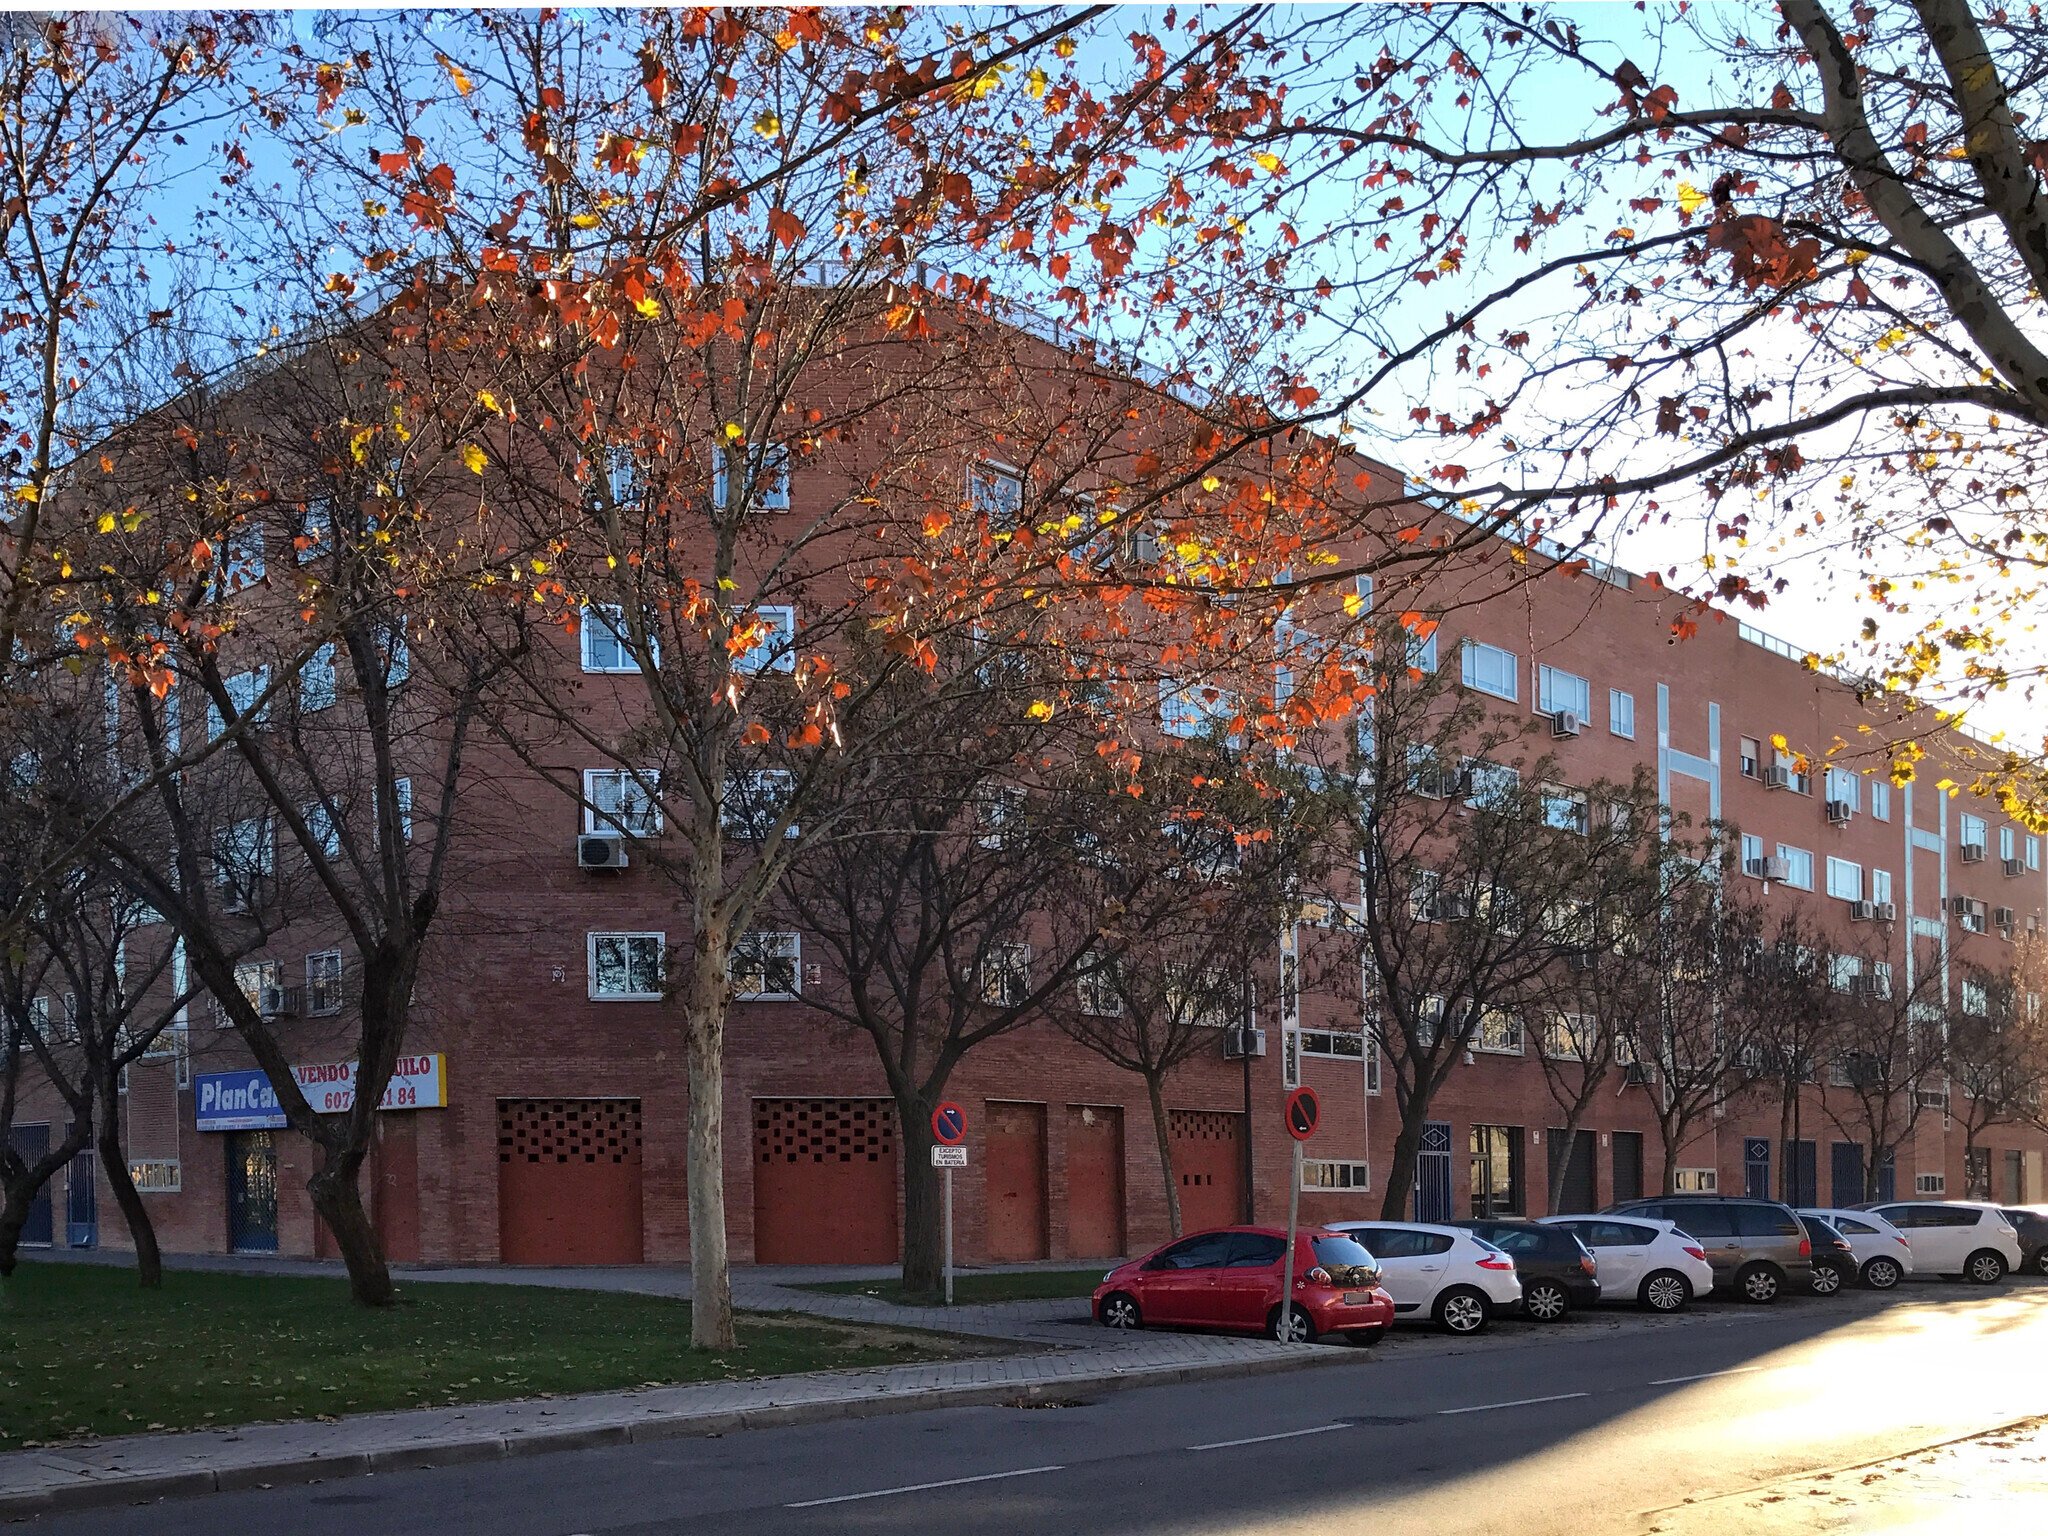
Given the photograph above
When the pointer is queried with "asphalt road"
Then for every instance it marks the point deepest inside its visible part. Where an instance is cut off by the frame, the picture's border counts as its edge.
(1584, 1429)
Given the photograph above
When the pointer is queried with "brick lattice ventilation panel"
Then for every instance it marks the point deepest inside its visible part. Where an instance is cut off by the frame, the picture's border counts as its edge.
(569, 1130)
(824, 1130)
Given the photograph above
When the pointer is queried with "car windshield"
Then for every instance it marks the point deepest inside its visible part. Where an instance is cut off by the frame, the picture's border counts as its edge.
(1331, 1252)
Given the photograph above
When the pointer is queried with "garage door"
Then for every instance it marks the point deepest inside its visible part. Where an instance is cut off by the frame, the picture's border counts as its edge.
(1208, 1159)
(569, 1181)
(1016, 1182)
(825, 1181)
(1095, 1181)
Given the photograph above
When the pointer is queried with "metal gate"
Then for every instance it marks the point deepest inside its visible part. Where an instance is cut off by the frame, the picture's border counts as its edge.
(252, 1192)
(1580, 1191)
(81, 1199)
(1433, 1172)
(569, 1181)
(1208, 1160)
(1756, 1167)
(31, 1142)
(825, 1181)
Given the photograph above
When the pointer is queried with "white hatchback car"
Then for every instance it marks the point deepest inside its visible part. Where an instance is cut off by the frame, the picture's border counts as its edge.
(1971, 1238)
(1444, 1274)
(1883, 1256)
(1643, 1257)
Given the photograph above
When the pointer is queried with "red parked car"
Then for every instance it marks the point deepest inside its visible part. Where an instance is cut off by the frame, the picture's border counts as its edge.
(1230, 1278)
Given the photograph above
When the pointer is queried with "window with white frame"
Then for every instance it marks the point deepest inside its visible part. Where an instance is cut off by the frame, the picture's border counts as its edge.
(1422, 651)
(1798, 782)
(316, 530)
(1425, 896)
(622, 476)
(1557, 689)
(1210, 998)
(774, 646)
(1338, 1044)
(1490, 786)
(317, 682)
(1566, 808)
(1880, 800)
(1363, 587)
(2033, 848)
(1843, 971)
(766, 966)
(1881, 978)
(2007, 845)
(1976, 999)
(1429, 1020)
(617, 801)
(323, 982)
(1567, 1037)
(1098, 985)
(754, 801)
(768, 465)
(1798, 866)
(1492, 670)
(998, 815)
(243, 690)
(243, 857)
(1844, 786)
(1006, 975)
(997, 491)
(1880, 885)
(1621, 713)
(252, 977)
(1752, 853)
(402, 789)
(627, 967)
(320, 826)
(1328, 1175)
(604, 639)
(1190, 709)
(1971, 830)
(241, 560)
(1930, 1183)
(1845, 880)
(1499, 1033)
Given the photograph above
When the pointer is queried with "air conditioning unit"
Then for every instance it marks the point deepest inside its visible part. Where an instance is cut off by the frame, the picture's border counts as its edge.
(1971, 853)
(2014, 868)
(1637, 1075)
(1777, 777)
(278, 1002)
(601, 850)
(1884, 911)
(2003, 916)
(1861, 911)
(1839, 812)
(1768, 869)
(1452, 909)
(1580, 959)
(1242, 1040)
(1564, 723)
(1960, 906)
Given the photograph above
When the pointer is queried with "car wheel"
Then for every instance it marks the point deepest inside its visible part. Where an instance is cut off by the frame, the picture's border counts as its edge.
(1664, 1291)
(1758, 1283)
(2041, 1261)
(1121, 1311)
(1299, 1329)
(1545, 1301)
(1367, 1335)
(1826, 1279)
(1985, 1267)
(1881, 1274)
(1461, 1310)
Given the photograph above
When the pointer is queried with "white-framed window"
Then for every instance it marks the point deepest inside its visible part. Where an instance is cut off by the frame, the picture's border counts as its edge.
(1362, 585)
(627, 967)
(1558, 689)
(316, 530)
(320, 824)
(766, 966)
(604, 639)
(1490, 786)
(323, 982)
(244, 855)
(251, 977)
(1880, 800)
(1930, 1183)
(1695, 1181)
(621, 802)
(769, 463)
(1006, 975)
(1750, 756)
(1209, 998)
(243, 690)
(1429, 1020)
(1845, 786)
(1189, 709)
(1337, 1044)
(241, 560)
(753, 800)
(317, 689)
(2033, 847)
(1499, 1033)
(1567, 1036)
(2007, 848)
(1492, 670)
(403, 790)
(1881, 978)
(1422, 651)
(774, 648)
(622, 476)
(1880, 885)
(1097, 984)
(998, 815)
(1621, 713)
(1970, 831)
(1425, 896)
(998, 491)
(1798, 866)
(1843, 971)
(1331, 1174)
(1845, 880)
(1976, 999)
(1752, 852)
(1566, 808)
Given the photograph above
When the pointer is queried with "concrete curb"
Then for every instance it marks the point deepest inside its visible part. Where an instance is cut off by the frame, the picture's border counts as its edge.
(240, 1476)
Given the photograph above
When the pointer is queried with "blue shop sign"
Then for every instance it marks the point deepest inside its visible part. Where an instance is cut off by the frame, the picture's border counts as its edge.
(235, 1101)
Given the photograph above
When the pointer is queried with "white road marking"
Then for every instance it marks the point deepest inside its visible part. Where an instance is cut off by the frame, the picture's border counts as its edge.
(1520, 1402)
(1740, 1370)
(1291, 1434)
(951, 1482)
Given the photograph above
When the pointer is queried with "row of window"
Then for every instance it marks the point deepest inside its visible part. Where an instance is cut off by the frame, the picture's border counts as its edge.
(245, 852)
(606, 646)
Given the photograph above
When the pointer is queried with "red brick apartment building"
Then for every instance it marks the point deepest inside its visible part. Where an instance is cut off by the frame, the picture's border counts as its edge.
(539, 1122)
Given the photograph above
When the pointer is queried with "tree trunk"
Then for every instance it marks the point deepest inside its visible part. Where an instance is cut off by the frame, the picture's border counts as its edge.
(149, 1263)
(711, 1325)
(18, 1195)
(1787, 1135)
(1673, 1143)
(924, 1235)
(1162, 1131)
(1560, 1166)
(338, 1200)
(1401, 1168)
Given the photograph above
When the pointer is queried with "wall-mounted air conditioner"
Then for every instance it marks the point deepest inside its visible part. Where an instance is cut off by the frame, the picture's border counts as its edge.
(601, 850)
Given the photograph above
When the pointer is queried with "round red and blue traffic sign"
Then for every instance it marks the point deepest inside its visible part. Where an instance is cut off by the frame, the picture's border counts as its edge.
(949, 1124)
(1303, 1111)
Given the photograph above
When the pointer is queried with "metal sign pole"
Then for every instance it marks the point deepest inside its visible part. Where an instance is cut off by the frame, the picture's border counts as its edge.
(1287, 1261)
(949, 1237)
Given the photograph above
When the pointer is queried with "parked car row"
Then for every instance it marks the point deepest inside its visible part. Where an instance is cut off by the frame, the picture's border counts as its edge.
(1355, 1279)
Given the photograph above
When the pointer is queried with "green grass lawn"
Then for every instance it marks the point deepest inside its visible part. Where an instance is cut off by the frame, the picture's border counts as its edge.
(1025, 1285)
(84, 1351)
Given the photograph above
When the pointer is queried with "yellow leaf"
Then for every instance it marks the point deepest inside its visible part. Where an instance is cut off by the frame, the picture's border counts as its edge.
(1353, 605)
(1188, 549)
(359, 445)
(1210, 482)
(1689, 198)
(733, 431)
(648, 306)
(1269, 162)
(1779, 743)
(462, 85)
(489, 402)
(768, 125)
(473, 456)
(1035, 82)
(584, 220)
(28, 493)
(1040, 710)
(106, 522)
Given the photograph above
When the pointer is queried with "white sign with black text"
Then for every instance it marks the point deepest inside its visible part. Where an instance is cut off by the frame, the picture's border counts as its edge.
(949, 1157)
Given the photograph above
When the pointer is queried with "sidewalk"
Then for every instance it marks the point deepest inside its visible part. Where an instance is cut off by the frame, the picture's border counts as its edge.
(144, 1467)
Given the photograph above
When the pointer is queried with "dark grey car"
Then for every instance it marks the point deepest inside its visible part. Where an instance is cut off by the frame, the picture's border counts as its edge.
(1757, 1247)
